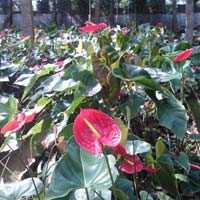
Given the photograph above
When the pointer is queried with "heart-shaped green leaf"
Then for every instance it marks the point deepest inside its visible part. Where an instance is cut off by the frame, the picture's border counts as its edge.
(79, 169)
(17, 190)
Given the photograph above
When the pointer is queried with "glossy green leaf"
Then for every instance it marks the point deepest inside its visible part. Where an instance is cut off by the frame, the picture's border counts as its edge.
(134, 103)
(195, 56)
(67, 131)
(181, 46)
(137, 147)
(17, 190)
(30, 85)
(121, 194)
(78, 98)
(42, 103)
(41, 126)
(137, 74)
(183, 160)
(78, 169)
(181, 177)
(163, 196)
(195, 137)
(8, 110)
(161, 76)
(171, 113)
(122, 41)
(144, 195)
(165, 177)
(89, 85)
(81, 194)
(160, 148)
(126, 186)
(24, 80)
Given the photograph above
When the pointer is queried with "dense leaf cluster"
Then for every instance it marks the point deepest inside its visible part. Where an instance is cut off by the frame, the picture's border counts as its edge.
(127, 73)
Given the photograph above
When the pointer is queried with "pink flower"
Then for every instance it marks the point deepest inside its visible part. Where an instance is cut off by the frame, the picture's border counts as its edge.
(19, 120)
(66, 42)
(183, 55)
(197, 68)
(38, 68)
(22, 38)
(15, 47)
(14, 124)
(119, 149)
(126, 31)
(41, 40)
(43, 59)
(151, 168)
(121, 94)
(59, 63)
(131, 165)
(30, 115)
(175, 40)
(198, 38)
(2, 34)
(93, 129)
(93, 27)
(112, 31)
(195, 166)
(159, 25)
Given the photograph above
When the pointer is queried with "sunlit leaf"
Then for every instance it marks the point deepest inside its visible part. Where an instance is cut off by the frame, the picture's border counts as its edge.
(78, 169)
(17, 190)
(8, 110)
(160, 148)
(41, 126)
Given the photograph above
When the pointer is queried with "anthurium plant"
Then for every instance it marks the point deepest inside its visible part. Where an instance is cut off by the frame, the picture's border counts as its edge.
(96, 112)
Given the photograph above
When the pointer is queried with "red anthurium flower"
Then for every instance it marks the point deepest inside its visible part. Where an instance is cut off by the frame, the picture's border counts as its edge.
(19, 120)
(159, 25)
(126, 31)
(59, 63)
(183, 55)
(14, 124)
(151, 168)
(30, 115)
(131, 165)
(197, 68)
(112, 31)
(23, 37)
(119, 149)
(93, 27)
(93, 129)
(2, 34)
(43, 59)
(195, 166)
(15, 47)
(121, 94)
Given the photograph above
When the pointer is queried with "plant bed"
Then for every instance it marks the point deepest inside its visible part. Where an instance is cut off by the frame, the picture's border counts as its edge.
(100, 113)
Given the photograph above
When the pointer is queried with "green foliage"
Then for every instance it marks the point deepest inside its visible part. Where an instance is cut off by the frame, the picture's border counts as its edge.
(130, 77)
(79, 169)
(17, 190)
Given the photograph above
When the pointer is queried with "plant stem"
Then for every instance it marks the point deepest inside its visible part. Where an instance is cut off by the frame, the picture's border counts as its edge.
(135, 186)
(182, 85)
(87, 194)
(46, 170)
(98, 195)
(110, 173)
(28, 169)
(134, 178)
